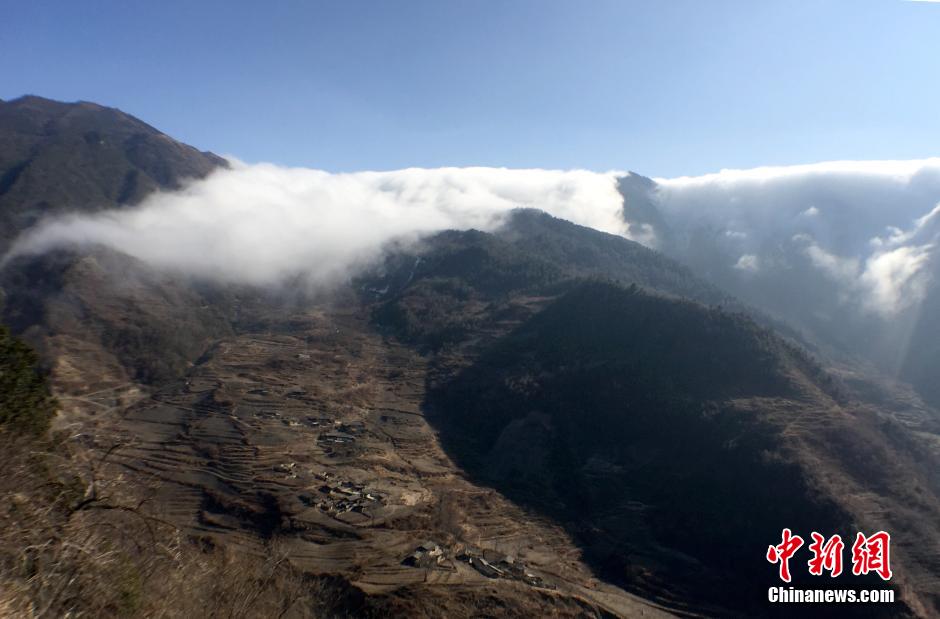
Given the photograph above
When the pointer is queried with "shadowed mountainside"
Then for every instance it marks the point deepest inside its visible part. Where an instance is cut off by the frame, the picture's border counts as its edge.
(670, 437)
(664, 435)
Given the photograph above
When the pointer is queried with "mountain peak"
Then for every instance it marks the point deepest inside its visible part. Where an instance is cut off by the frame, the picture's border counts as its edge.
(98, 157)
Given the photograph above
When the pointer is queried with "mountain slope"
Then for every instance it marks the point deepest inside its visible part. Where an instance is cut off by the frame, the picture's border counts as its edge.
(436, 293)
(672, 439)
(102, 317)
(630, 415)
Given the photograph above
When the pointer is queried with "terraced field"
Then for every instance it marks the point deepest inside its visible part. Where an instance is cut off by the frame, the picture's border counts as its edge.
(316, 441)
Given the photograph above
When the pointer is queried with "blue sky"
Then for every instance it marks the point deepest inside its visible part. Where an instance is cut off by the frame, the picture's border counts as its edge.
(663, 87)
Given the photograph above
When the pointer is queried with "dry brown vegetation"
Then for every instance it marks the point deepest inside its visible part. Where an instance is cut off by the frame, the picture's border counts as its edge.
(78, 540)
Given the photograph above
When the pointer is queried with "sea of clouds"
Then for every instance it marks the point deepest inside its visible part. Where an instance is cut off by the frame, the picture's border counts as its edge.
(868, 229)
(260, 224)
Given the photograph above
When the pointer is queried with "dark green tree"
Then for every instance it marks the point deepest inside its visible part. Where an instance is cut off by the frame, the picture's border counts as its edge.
(26, 405)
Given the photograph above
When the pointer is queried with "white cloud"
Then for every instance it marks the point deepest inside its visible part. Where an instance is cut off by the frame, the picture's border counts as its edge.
(748, 262)
(900, 169)
(895, 275)
(885, 283)
(896, 279)
(875, 241)
(260, 223)
(845, 270)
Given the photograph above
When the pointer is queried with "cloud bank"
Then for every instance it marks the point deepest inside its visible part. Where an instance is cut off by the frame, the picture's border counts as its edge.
(868, 228)
(258, 224)
(856, 235)
(846, 251)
